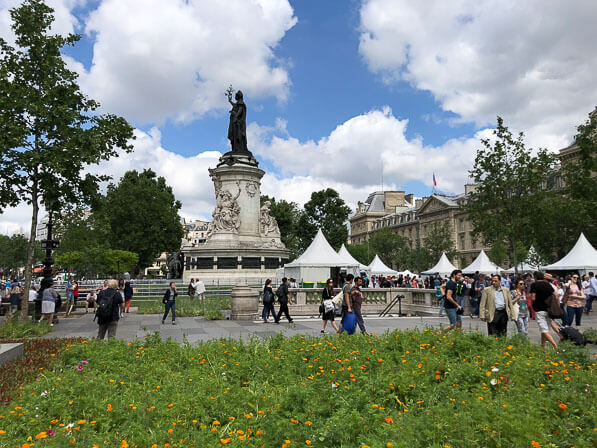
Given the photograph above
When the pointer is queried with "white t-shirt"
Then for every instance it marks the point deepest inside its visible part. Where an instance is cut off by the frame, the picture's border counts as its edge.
(32, 295)
(561, 293)
(91, 297)
(586, 287)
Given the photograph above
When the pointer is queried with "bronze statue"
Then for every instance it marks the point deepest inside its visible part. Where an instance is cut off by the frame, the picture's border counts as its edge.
(237, 130)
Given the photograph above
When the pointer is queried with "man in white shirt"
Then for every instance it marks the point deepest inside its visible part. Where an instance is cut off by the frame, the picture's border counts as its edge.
(592, 292)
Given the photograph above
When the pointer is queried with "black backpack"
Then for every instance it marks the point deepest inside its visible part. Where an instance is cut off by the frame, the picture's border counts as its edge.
(105, 307)
(573, 335)
(280, 293)
(268, 297)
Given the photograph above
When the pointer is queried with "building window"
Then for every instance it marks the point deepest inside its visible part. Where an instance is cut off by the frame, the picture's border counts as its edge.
(462, 225)
(462, 242)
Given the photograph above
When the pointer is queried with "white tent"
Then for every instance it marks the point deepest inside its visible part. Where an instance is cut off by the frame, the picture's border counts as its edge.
(582, 257)
(316, 263)
(482, 264)
(343, 252)
(378, 268)
(407, 272)
(531, 264)
(443, 267)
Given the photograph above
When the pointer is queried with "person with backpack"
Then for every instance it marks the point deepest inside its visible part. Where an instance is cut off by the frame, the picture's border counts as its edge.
(282, 294)
(268, 301)
(169, 302)
(109, 305)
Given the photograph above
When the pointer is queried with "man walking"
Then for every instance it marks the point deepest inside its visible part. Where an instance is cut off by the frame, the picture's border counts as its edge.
(109, 306)
(541, 290)
(357, 301)
(453, 308)
(496, 307)
(346, 299)
(283, 298)
(592, 292)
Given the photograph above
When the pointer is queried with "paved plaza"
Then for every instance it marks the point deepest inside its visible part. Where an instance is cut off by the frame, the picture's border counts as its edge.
(193, 329)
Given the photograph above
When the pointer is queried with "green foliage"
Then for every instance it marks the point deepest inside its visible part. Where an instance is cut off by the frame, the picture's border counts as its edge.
(400, 389)
(287, 216)
(390, 247)
(13, 252)
(327, 211)
(510, 185)
(119, 261)
(438, 240)
(49, 130)
(142, 214)
(211, 308)
(361, 252)
(12, 329)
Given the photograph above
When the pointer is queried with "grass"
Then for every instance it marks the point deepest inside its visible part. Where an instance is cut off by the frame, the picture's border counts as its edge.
(14, 329)
(211, 308)
(401, 389)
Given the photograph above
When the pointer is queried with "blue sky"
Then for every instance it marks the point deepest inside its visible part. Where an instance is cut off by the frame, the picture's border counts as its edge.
(336, 90)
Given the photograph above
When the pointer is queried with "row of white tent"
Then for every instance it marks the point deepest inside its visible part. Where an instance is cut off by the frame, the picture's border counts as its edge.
(316, 263)
(582, 257)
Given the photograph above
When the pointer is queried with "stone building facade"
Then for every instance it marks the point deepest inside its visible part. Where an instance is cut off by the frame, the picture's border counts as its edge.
(414, 219)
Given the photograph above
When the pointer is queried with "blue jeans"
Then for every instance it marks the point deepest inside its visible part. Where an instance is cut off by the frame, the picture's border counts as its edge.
(170, 305)
(589, 305)
(268, 308)
(453, 316)
(574, 313)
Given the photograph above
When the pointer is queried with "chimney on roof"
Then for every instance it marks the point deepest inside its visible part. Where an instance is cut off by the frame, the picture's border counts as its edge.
(409, 198)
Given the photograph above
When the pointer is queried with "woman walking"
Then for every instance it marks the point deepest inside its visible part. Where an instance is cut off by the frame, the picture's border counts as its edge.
(48, 304)
(519, 297)
(328, 294)
(268, 301)
(575, 302)
(169, 302)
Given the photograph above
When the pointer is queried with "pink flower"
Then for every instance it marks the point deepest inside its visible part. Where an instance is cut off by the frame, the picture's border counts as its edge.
(79, 367)
(84, 362)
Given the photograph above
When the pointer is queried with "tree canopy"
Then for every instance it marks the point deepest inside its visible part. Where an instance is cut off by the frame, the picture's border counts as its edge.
(49, 130)
(142, 214)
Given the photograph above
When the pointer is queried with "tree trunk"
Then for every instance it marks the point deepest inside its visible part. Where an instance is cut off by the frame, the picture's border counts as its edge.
(30, 250)
(514, 258)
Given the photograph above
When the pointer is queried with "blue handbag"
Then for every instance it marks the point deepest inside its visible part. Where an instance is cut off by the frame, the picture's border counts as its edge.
(350, 323)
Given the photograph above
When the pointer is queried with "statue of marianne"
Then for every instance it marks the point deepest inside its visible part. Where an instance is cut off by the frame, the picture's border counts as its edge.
(237, 130)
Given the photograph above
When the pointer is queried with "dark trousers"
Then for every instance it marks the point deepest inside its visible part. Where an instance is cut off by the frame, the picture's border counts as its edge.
(267, 309)
(498, 326)
(170, 305)
(564, 314)
(589, 304)
(574, 314)
(109, 327)
(475, 302)
(360, 321)
(283, 309)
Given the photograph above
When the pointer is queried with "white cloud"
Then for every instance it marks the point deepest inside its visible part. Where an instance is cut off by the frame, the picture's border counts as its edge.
(350, 159)
(156, 60)
(65, 22)
(532, 62)
(17, 220)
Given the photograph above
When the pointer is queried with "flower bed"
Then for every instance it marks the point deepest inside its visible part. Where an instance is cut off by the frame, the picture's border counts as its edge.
(38, 355)
(402, 389)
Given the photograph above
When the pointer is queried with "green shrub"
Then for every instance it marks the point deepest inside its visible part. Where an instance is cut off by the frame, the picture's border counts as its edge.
(14, 329)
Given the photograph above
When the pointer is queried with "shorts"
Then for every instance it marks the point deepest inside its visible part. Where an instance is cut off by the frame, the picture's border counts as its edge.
(453, 315)
(543, 320)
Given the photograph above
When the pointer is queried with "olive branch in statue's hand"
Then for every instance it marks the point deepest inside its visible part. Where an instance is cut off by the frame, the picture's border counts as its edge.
(229, 92)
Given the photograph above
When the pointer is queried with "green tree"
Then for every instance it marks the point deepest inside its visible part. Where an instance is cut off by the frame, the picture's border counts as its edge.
(287, 216)
(510, 185)
(142, 214)
(327, 211)
(119, 261)
(13, 252)
(361, 252)
(438, 240)
(48, 129)
(391, 248)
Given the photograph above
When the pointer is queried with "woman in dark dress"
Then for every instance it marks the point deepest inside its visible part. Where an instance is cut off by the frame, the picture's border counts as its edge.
(328, 294)
(268, 301)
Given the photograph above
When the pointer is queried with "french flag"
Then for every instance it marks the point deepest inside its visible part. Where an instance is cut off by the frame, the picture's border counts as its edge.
(434, 182)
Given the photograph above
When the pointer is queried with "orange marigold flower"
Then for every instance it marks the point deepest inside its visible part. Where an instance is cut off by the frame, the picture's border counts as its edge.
(2, 432)
(562, 406)
(215, 423)
(81, 422)
(170, 430)
(293, 420)
(259, 432)
(308, 423)
(535, 444)
(41, 435)
(170, 405)
(389, 420)
(225, 441)
(389, 445)
(308, 442)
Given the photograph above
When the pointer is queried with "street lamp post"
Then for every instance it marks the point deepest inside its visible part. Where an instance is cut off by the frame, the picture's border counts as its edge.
(48, 244)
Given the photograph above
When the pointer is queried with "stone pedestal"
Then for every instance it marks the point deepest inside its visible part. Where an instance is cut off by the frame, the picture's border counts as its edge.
(245, 303)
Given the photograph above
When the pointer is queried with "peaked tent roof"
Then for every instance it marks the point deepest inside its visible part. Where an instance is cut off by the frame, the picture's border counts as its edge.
(320, 253)
(530, 264)
(582, 256)
(482, 264)
(407, 272)
(343, 252)
(443, 267)
(378, 268)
